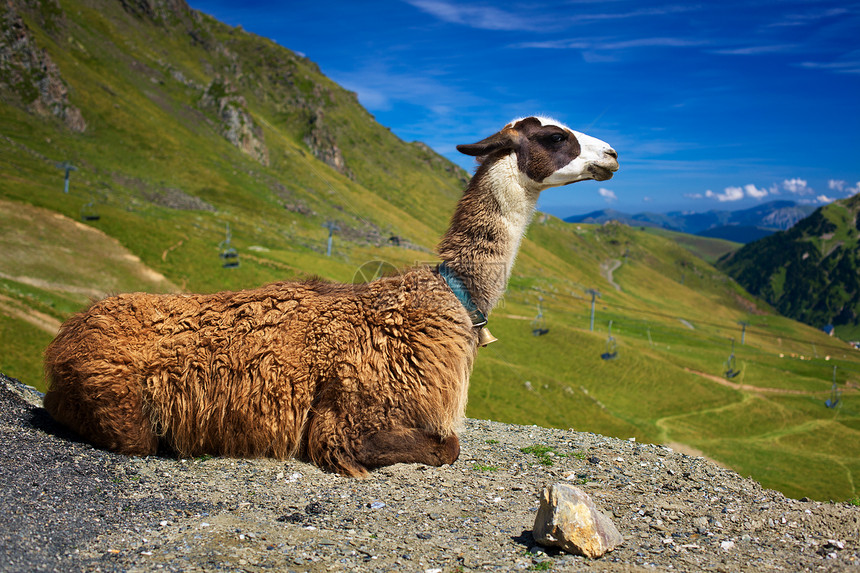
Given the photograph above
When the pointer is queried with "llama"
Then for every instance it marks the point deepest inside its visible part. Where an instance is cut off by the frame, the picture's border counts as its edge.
(348, 377)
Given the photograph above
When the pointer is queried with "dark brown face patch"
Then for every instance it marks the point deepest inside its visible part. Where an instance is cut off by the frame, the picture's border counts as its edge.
(544, 149)
(541, 149)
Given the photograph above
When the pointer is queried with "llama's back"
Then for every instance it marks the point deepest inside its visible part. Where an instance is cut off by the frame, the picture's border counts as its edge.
(206, 373)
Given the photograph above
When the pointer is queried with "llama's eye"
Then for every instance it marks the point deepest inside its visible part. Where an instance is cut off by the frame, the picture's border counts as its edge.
(557, 138)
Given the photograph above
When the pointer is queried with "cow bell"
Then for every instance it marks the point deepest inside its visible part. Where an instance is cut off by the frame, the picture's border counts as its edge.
(485, 337)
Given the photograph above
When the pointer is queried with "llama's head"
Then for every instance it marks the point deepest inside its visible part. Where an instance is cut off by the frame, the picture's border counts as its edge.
(548, 153)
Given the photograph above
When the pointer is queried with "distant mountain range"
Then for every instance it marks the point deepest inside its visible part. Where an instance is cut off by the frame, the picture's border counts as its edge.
(811, 272)
(742, 226)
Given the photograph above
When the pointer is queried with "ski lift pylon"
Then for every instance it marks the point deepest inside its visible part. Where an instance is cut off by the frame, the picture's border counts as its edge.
(539, 327)
(611, 346)
(835, 393)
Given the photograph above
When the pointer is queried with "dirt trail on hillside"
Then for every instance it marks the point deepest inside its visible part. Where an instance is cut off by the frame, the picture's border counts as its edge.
(15, 309)
(48, 250)
(749, 388)
(607, 268)
(56, 254)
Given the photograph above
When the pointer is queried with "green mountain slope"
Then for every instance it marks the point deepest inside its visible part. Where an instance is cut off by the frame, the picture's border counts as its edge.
(707, 248)
(179, 125)
(811, 272)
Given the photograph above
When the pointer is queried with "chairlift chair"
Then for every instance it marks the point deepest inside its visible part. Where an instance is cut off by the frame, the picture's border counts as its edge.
(731, 370)
(611, 346)
(231, 258)
(228, 254)
(89, 212)
(539, 327)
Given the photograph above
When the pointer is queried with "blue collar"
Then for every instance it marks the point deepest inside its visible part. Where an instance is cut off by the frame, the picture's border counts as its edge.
(458, 287)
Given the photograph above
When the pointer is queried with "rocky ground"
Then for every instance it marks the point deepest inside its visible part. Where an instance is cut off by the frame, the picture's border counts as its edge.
(68, 507)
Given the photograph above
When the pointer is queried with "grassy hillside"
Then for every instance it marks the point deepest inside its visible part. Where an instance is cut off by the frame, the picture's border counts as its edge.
(810, 272)
(707, 248)
(191, 125)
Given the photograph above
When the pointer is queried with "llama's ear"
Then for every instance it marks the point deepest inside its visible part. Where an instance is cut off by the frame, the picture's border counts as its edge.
(505, 139)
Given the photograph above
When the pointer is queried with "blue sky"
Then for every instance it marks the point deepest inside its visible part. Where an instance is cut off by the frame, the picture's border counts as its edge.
(711, 105)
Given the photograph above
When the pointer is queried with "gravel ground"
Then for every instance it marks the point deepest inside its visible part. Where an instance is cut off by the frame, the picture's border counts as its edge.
(68, 507)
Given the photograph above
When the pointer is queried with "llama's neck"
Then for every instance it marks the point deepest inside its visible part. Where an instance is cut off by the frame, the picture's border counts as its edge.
(487, 228)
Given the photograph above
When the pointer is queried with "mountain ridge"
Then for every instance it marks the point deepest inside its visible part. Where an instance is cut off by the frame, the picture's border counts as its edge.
(742, 226)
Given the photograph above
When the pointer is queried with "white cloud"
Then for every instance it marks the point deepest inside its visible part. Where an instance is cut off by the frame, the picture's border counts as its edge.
(752, 191)
(608, 195)
(380, 87)
(842, 186)
(797, 186)
(476, 16)
(845, 67)
(579, 44)
(810, 17)
(756, 50)
(730, 194)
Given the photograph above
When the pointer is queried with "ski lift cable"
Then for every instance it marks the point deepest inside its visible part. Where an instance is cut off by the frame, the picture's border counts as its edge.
(325, 180)
(763, 334)
(733, 326)
(658, 313)
(644, 328)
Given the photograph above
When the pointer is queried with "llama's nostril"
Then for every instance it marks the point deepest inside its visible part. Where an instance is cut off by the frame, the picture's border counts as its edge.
(612, 153)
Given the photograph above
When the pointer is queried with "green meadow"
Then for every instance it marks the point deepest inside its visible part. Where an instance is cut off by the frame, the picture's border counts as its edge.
(149, 141)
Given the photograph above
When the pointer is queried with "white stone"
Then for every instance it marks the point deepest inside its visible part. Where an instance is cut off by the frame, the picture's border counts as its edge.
(568, 519)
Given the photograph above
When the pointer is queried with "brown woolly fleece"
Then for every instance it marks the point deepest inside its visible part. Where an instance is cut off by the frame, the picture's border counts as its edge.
(349, 377)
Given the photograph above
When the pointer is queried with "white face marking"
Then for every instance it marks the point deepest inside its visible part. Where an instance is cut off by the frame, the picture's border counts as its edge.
(594, 154)
(596, 158)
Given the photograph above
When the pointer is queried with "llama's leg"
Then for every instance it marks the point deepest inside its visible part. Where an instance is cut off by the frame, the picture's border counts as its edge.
(407, 445)
(333, 444)
(330, 447)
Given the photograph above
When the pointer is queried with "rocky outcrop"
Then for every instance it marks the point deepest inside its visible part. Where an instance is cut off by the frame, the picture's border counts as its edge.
(784, 218)
(235, 121)
(67, 506)
(162, 11)
(322, 143)
(29, 76)
(178, 199)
